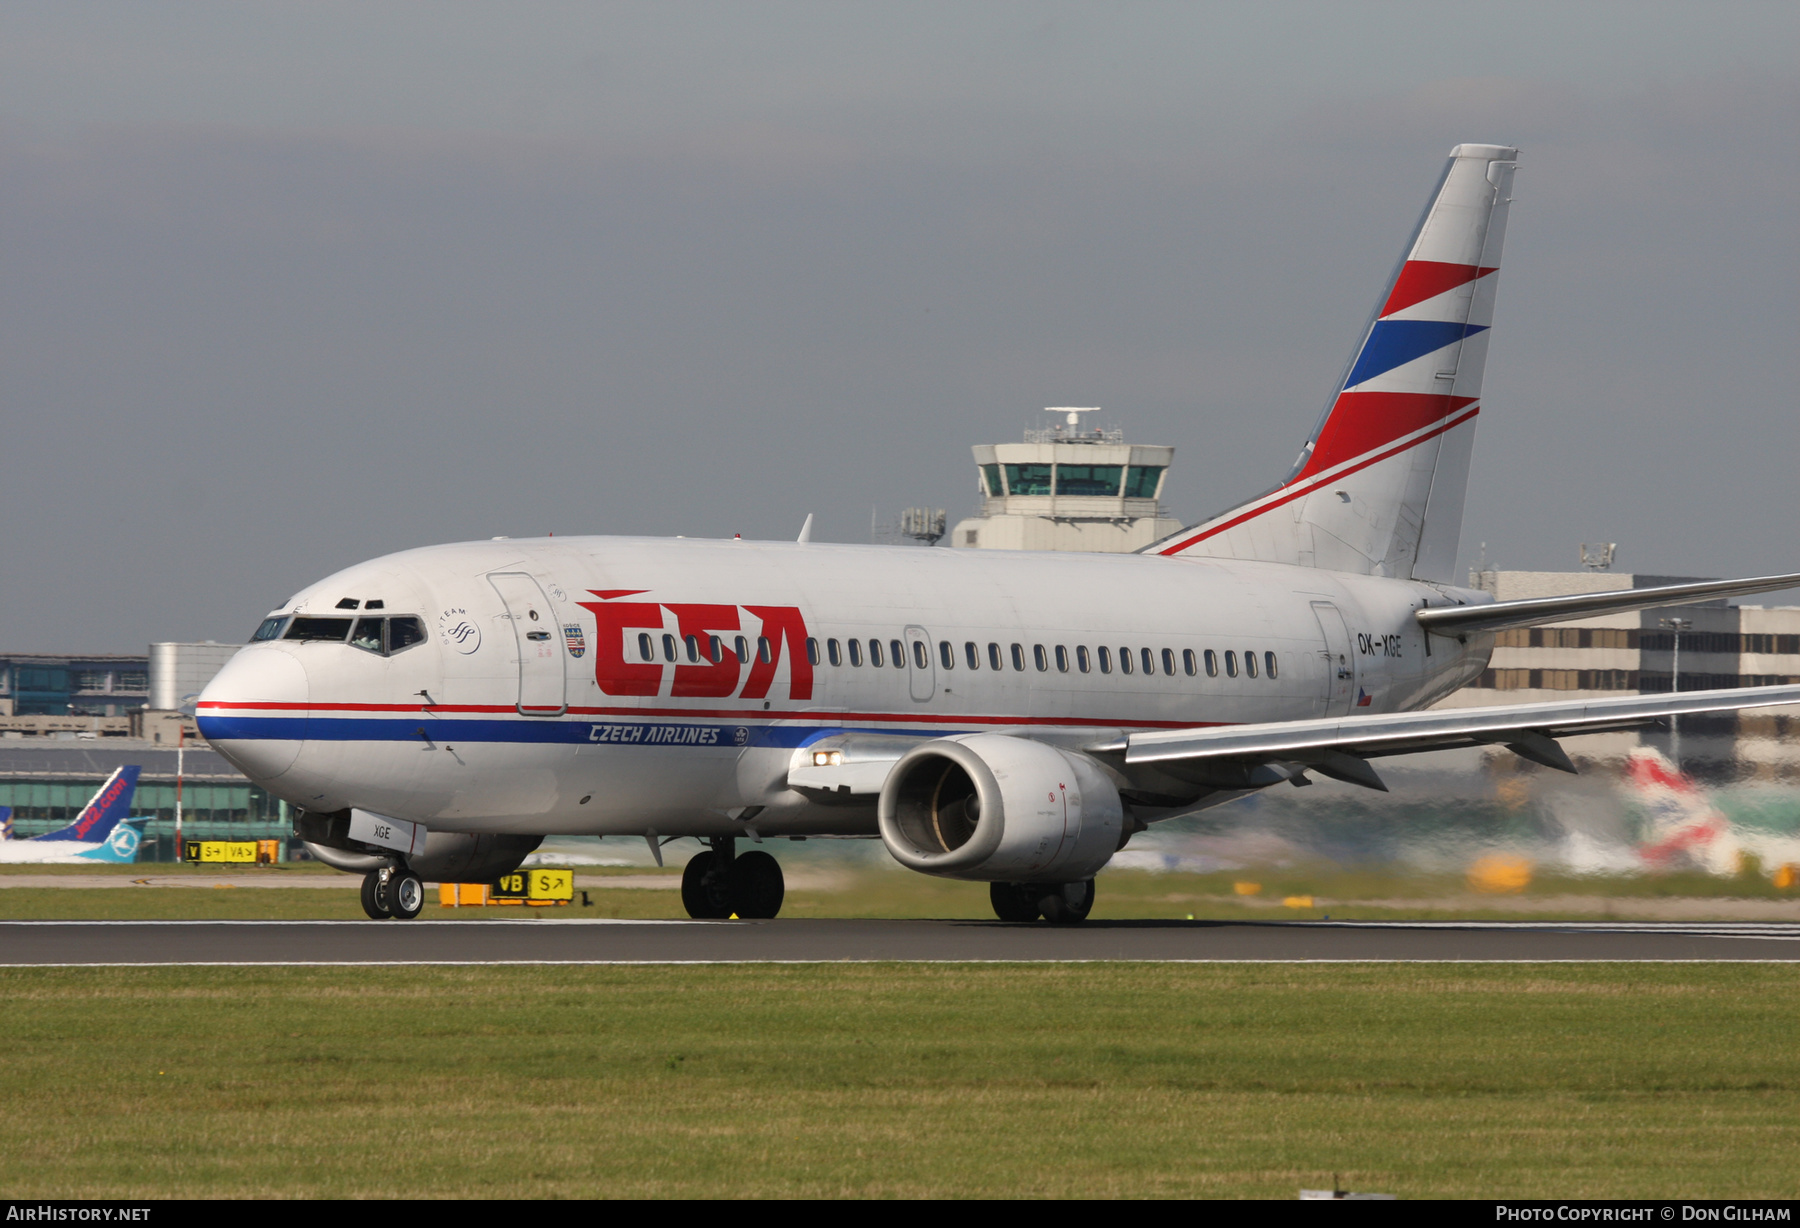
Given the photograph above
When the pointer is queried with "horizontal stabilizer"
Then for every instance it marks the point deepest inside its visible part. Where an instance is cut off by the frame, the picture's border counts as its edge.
(1436, 729)
(1536, 611)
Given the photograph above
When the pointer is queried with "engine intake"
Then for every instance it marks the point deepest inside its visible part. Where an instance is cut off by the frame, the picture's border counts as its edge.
(995, 808)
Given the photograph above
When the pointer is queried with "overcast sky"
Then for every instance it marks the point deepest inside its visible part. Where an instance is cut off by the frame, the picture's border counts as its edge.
(287, 286)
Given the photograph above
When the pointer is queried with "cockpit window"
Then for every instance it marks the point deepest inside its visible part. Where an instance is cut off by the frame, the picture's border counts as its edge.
(319, 629)
(270, 629)
(367, 635)
(404, 633)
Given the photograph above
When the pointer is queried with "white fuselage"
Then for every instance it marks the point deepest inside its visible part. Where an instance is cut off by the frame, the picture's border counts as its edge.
(530, 706)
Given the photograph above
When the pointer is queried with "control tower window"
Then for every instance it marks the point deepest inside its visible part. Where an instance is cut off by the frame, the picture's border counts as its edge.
(1088, 479)
(1028, 479)
(404, 633)
(270, 629)
(990, 480)
(1142, 480)
(319, 629)
(367, 635)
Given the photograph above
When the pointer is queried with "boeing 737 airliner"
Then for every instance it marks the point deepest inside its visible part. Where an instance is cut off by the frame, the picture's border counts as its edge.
(1004, 717)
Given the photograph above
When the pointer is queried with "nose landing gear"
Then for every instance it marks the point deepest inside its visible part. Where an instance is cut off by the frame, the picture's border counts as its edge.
(393, 891)
(1057, 903)
(717, 883)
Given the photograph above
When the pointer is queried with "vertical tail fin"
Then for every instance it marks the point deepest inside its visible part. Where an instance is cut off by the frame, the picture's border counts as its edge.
(1379, 486)
(104, 810)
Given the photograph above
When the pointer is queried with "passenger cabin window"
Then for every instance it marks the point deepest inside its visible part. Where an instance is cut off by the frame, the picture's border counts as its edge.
(993, 656)
(1212, 664)
(1040, 658)
(1168, 656)
(1018, 657)
(1149, 659)
(644, 649)
(742, 647)
(715, 649)
(1028, 479)
(1082, 661)
(764, 653)
(693, 648)
(898, 651)
(812, 651)
(1231, 664)
(972, 655)
(1124, 660)
(319, 629)
(1105, 659)
(856, 654)
(1250, 664)
(1188, 663)
(1269, 663)
(834, 652)
(921, 655)
(1062, 659)
(367, 635)
(874, 652)
(270, 629)
(668, 647)
(1088, 479)
(946, 654)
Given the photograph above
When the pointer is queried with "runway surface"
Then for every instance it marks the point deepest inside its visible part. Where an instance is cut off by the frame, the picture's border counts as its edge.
(535, 941)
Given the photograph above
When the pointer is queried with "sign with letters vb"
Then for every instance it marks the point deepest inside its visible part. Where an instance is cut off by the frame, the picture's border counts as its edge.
(535, 887)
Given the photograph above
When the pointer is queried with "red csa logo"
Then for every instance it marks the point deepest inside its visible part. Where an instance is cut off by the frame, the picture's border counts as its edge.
(781, 626)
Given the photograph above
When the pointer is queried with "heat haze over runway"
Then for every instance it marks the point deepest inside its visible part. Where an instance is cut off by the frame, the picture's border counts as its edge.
(537, 941)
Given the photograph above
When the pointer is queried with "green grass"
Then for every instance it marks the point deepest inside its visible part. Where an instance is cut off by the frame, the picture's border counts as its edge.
(902, 1080)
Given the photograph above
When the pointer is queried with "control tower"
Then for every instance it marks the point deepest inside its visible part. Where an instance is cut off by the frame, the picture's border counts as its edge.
(1066, 488)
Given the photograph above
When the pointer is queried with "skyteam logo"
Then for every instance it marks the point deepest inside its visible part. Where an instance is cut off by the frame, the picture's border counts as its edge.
(459, 631)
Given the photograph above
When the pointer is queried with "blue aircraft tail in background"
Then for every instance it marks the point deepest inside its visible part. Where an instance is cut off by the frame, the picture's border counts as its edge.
(104, 811)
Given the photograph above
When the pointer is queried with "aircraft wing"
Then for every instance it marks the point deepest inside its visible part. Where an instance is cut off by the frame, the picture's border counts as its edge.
(1341, 746)
(1536, 611)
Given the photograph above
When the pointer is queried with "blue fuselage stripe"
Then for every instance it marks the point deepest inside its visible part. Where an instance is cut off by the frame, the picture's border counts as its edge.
(586, 732)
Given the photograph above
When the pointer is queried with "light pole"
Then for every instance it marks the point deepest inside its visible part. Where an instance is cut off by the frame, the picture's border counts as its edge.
(1677, 625)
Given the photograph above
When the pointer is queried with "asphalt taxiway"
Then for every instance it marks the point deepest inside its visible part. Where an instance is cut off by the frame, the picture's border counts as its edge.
(545, 941)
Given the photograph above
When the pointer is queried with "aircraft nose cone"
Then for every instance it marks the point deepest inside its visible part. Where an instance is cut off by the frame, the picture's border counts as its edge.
(254, 711)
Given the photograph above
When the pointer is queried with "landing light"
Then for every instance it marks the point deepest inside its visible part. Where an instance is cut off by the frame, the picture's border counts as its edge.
(828, 758)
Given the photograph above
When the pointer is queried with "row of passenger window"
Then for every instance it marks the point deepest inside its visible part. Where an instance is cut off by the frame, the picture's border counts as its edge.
(878, 654)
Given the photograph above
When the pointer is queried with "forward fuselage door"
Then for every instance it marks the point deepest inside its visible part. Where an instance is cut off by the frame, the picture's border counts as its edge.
(1340, 665)
(541, 680)
(921, 676)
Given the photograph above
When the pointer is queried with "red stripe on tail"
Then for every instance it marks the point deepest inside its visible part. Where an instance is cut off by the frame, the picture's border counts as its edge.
(1423, 279)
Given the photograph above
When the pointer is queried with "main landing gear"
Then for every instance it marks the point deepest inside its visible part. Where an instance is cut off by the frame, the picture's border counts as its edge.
(392, 891)
(1057, 903)
(719, 883)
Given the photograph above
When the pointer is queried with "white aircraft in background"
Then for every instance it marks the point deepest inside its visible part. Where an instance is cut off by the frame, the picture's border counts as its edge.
(100, 833)
(1004, 717)
(1686, 829)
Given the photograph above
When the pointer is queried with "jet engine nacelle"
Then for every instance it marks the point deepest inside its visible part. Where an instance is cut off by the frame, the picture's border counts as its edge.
(994, 808)
(448, 856)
